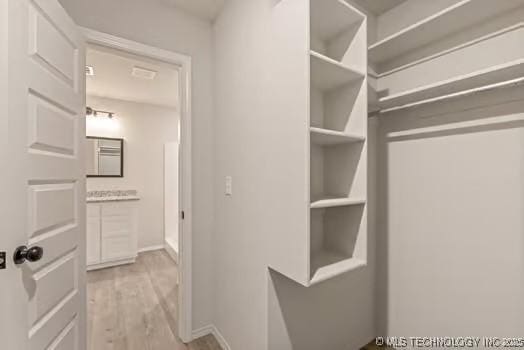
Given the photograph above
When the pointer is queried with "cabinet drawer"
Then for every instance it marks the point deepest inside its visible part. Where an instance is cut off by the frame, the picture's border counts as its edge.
(93, 210)
(117, 226)
(117, 247)
(119, 209)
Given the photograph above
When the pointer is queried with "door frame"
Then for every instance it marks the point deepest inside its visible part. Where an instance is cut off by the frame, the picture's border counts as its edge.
(184, 195)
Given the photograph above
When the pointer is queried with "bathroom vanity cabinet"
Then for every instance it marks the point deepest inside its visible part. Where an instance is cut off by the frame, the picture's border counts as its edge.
(111, 233)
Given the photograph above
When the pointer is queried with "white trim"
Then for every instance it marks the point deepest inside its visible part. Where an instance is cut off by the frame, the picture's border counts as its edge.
(185, 236)
(151, 248)
(212, 329)
(172, 252)
(107, 264)
(202, 332)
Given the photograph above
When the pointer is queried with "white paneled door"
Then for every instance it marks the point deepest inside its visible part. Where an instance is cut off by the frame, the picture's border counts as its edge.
(42, 132)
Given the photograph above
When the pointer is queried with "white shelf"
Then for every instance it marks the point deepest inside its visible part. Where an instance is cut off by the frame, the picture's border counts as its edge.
(327, 264)
(450, 20)
(327, 137)
(335, 202)
(328, 74)
(331, 17)
(473, 80)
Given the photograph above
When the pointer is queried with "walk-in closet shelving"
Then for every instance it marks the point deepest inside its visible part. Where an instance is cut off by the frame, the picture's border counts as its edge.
(338, 112)
(320, 84)
(407, 59)
(477, 79)
(459, 16)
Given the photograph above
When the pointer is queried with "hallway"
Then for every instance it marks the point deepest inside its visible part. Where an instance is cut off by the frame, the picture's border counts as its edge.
(133, 307)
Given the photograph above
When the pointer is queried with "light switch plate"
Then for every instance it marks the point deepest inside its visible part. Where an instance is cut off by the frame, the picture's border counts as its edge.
(229, 185)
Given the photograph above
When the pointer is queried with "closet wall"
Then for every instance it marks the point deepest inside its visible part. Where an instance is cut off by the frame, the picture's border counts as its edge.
(450, 172)
(265, 251)
(450, 233)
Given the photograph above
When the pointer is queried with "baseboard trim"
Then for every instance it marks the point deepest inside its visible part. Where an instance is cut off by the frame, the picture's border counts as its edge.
(211, 329)
(151, 248)
(171, 252)
(106, 264)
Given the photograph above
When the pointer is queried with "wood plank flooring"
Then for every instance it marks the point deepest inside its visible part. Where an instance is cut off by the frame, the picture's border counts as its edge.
(373, 346)
(134, 307)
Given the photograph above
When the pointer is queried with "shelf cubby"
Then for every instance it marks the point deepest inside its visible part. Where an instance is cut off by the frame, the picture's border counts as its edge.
(334, 27)
(339, 108)
(328, 74)
(338, 241)
(337, 174)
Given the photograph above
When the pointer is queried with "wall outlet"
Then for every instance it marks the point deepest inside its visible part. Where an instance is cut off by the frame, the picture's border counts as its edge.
(229, 185)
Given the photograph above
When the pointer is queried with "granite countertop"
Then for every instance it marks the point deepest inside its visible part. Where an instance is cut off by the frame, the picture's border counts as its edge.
(111, 196)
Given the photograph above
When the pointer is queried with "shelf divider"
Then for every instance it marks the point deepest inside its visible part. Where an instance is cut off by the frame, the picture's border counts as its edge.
(328, 265)
(336, 202)
(326, 137)
(327, 74)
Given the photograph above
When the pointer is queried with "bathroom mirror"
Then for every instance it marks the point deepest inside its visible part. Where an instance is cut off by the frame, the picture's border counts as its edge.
(104, 157)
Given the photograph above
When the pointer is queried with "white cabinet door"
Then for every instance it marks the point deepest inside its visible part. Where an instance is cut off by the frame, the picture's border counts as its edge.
(42, 132)
(93, 240)
(118, 231)
(117, 247)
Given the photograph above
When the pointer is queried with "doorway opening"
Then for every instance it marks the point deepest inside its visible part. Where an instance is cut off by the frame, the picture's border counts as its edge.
(140, 96)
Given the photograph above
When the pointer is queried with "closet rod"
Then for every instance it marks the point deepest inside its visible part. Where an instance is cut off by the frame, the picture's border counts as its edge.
(501, 85)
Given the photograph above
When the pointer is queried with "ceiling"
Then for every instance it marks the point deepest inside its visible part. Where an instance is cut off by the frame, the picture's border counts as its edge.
(378, 7)
(113, 79)
(206, 9)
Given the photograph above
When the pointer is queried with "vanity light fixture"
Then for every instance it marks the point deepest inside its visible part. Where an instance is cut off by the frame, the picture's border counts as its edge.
(94, 112)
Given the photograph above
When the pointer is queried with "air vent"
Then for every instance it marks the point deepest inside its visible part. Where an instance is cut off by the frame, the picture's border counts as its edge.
(143, 73)
(90, 71)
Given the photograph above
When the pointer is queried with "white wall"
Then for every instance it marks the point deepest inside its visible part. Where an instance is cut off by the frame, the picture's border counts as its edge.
(450, 254)
(159, 24)
(145, 129)
(450, 192)
(261, 135)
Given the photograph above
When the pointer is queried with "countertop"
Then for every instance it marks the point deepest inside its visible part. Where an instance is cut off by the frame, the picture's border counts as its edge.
(111, 196)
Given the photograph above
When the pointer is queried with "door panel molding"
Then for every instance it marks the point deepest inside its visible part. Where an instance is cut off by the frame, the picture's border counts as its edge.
(44, 177)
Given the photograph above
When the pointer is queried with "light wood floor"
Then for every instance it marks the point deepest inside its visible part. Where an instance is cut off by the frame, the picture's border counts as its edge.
(372, 346)
(133, 307)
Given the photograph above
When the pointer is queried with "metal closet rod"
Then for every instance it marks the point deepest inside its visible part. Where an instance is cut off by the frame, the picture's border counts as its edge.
(501, 85)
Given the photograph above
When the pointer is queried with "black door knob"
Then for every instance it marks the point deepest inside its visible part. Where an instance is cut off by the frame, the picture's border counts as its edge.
(24, 253)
